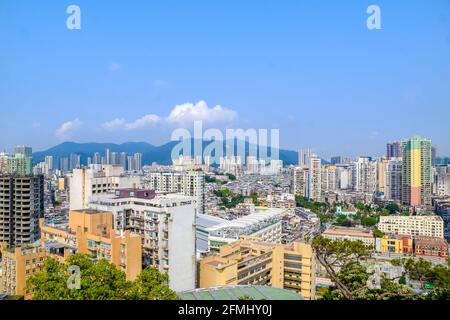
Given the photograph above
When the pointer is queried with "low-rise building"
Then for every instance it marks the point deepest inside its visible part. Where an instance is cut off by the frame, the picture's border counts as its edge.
(346, 211)
(431, 246)
(351, 234)
(397, 244)
(265, 223)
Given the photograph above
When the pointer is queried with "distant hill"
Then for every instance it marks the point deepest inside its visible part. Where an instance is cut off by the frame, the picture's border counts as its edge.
(150, 153)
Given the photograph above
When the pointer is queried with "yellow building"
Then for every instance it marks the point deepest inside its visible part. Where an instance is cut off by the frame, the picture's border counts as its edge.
(399, 244)
(61, 184)
(17, 265)
(91, 232)
(381, 175)
(252, 262)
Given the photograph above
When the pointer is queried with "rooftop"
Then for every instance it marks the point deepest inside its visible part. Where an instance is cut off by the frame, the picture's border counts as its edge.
(90, 211)
(237, 292)
(346, 231)
(259, 216)
(422, 240)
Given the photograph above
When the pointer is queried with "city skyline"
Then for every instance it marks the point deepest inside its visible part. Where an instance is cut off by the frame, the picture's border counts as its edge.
(120, 79)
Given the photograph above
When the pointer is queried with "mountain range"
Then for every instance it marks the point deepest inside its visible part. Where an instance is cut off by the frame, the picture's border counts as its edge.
(150, 153)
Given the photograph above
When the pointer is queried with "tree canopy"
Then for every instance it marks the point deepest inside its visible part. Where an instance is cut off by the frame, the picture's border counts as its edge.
(100, 280)
(348, 264)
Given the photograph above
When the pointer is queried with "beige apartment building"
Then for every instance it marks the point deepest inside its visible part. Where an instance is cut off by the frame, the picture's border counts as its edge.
(250, 261)
(414, 226)
(89, 232)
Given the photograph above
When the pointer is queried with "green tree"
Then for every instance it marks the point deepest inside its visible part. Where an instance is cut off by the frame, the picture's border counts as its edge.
(343, 221)
(346, 264)
(50, 284)
(369, 221)
(334, 255)
(100, 280)
(152, 285)
(392, 208)
(436, 277)
(378, 234)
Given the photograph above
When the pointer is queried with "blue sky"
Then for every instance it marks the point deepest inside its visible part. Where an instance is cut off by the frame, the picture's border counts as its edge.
(310, 68)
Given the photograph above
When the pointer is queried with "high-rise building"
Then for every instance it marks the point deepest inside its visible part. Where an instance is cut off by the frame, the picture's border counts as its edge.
(343, 177)
(315, 178)
(329, 178)
(74, 162)
(21, 207)
(336, 160)
(417, 172)
(441, 179)
(64, 164)
(24, 150)
(166, 224)
(108, 156)
(381, 175)
(194, 186)
(97, 159)
(3, 163)
(114, 158)
(433, 155)
(366, 175)
(49, 163)
(138, 161)
(20, 165)
(300, 180)
(123, 160)
(252, 165)
(86, 182)
(394, 171)
(190, 183)
(130, 163)
(394, 150)
(303, 157)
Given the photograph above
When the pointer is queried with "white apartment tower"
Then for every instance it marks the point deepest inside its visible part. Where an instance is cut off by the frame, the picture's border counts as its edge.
(315, 178)
(87, 182)
(166, 224)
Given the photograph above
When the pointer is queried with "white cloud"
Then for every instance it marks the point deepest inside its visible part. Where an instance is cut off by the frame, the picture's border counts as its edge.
(67, 128)
(180, 114)
(115, 67)
(114, 124)
(146, 121)
(189, 112)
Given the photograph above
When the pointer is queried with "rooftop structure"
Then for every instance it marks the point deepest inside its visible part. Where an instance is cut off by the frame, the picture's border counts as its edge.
(265, 223)
(239, 292)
